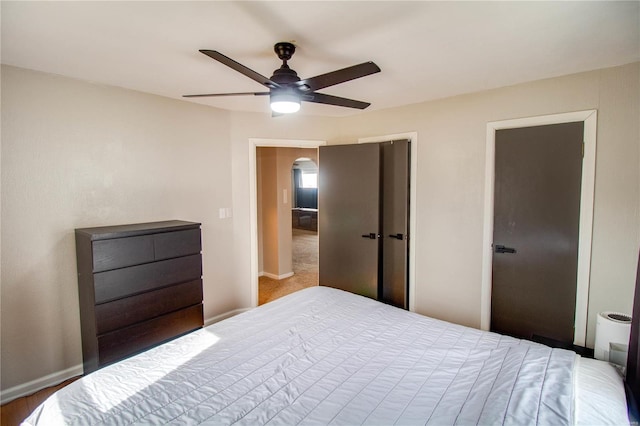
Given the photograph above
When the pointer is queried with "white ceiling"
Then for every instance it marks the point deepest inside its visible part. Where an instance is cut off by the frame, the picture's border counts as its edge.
(426, 50)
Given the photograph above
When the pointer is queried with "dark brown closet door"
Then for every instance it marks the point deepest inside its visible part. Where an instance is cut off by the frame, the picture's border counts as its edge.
(538, 174)
(395, 223)
(348, 217)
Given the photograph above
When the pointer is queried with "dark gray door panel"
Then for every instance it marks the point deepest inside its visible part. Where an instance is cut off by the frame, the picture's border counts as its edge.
(395, 222)
(348, 212)
(538, 174)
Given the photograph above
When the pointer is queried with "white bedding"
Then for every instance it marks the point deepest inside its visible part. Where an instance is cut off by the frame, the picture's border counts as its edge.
(600, 396)
(324, 356)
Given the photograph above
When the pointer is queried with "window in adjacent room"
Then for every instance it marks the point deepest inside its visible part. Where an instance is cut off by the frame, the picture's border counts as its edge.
(309, 179)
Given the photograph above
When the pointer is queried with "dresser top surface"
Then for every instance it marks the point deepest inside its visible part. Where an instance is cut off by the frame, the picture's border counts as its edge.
(131, 230)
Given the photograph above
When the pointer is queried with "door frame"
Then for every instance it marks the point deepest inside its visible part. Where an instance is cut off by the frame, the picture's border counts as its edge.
(590, 118)
(254, 143)
(413, 137)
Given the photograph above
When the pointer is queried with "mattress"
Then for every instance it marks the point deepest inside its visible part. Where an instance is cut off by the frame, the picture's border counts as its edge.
(324, 356)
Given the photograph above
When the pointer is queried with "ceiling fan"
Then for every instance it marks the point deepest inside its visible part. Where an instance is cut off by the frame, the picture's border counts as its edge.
(287, 90)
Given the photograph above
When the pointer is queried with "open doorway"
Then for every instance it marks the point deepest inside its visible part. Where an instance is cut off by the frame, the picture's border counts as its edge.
(286, 201)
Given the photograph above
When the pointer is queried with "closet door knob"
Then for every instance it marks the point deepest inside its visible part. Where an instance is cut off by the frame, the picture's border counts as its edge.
(397, 236)
(371, 236)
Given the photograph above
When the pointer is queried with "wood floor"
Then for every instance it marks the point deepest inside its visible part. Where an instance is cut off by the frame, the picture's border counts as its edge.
(14, 412)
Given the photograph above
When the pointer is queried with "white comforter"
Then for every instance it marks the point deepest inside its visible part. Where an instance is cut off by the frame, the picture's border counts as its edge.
(324, 356)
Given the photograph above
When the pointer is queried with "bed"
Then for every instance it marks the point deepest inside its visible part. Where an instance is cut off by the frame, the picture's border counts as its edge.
(324, 356)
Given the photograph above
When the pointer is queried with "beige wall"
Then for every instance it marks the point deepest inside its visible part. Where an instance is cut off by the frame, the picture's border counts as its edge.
(75, 155)
(450, 184)
(267, 193)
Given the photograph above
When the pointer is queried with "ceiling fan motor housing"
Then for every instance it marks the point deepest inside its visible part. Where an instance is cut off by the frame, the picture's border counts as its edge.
(285, 75)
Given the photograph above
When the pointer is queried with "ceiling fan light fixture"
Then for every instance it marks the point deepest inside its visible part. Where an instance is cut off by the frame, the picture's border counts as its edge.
(285, 103)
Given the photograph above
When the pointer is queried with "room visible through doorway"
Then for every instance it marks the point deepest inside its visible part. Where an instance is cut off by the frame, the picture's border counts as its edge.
(287, 217)
(305, 268)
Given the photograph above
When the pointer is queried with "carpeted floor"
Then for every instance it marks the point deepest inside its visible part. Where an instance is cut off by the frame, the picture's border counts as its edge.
(305, 269)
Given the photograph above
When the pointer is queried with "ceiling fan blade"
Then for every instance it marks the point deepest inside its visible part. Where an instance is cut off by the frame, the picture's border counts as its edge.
(226, 94)
(240, 68)
(321, 98)
(336, 77)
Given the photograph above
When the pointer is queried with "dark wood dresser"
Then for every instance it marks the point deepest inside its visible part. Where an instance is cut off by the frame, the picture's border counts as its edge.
(139, 285)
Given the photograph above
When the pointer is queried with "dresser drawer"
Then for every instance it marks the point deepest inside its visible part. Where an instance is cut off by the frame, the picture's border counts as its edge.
(131, 310)
(130, 340)
(119, 283)
(176, 244)
(122, 252)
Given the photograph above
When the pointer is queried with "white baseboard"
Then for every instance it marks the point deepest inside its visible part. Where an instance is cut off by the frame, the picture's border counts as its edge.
(276, 277)
(40, 383)
(224, 316)
(54, 379)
